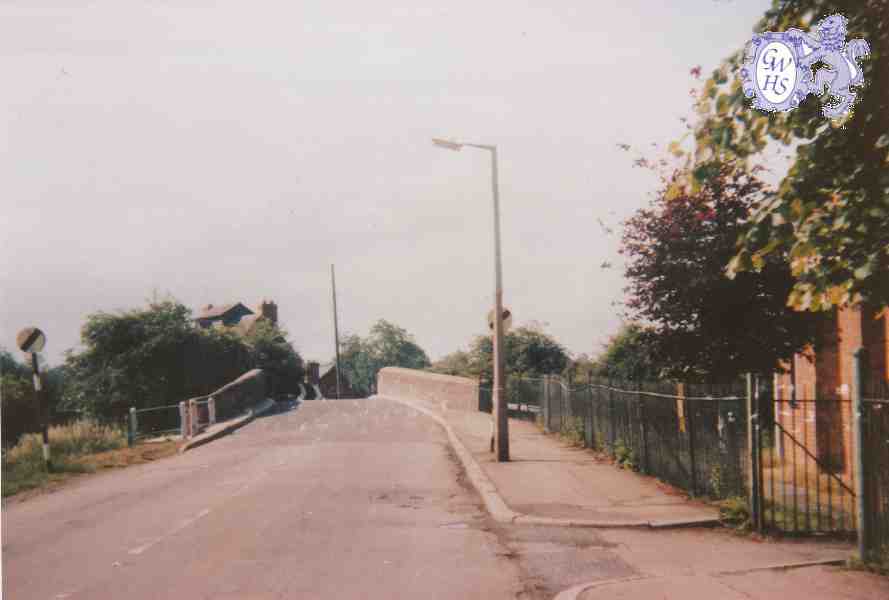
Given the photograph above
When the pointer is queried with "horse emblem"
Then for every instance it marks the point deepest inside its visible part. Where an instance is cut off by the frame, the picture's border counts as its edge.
(777, 71)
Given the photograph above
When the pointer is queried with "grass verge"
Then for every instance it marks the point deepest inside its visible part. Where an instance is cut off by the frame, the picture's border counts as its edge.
(77, 448)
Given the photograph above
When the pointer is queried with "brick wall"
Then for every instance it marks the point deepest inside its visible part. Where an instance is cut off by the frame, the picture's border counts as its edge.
(443, 391)
(822, 382)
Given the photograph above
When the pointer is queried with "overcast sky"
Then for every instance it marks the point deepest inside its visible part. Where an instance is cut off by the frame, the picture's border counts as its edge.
(223, 151)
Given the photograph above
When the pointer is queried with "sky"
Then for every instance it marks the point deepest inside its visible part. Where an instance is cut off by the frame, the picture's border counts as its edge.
(222, 151)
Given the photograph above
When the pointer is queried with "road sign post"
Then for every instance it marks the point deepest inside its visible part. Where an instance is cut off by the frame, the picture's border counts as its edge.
(31, 341)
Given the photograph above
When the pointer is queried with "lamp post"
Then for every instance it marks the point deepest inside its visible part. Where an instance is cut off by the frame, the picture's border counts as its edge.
(501, 417)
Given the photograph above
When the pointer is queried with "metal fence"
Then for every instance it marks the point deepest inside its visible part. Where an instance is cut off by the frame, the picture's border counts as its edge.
(153, 422)
(795, 461)
(875, 467)
(695, 439)
(523, 393)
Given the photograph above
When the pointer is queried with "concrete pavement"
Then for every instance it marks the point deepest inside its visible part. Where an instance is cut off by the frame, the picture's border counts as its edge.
(565, 486)
(547, 483)
(336, 499)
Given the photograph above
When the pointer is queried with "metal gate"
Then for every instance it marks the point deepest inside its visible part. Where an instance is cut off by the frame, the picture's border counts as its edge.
(875, 467)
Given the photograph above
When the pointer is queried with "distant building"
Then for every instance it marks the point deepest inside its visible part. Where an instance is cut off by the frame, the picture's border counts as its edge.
(228, 315)
(237, 315)
(324, 376)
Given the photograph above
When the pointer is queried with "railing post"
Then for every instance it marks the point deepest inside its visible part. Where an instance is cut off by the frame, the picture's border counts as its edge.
(611, 436)
(211, 410)
(691, 428)
(133, 427)
(193, 416)
(184, 425)
(544, 402)
(643, 429)
(861, 475)
(753, 448)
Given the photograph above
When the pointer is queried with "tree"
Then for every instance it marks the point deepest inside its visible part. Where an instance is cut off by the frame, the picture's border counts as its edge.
(530, 352)
(149, 357)
(271, 352)
(630, 355)
(457, 363)
(704, 324)
(830, 217)
(580, 368)
(388, 345)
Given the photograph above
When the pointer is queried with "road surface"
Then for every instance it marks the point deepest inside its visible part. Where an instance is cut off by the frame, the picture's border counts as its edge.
(335, 499)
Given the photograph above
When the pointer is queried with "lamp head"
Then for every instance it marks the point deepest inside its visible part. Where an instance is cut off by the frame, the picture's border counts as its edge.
(447, 144)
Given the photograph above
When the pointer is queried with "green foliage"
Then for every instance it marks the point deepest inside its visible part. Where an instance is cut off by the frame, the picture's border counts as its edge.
(630, 355)
(705, 325)
(271, 352)
(624, 456)
(735, 512)
(878, 565)
(149, 357)
(572, 431)
(20, 407)
(23, 465)
(580, 369)
(530, 352)
(458, 363)
(830, 218)
(717, 481)
(387, 346)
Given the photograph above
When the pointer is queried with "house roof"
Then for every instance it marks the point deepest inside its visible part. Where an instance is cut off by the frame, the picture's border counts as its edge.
(212, 312)
(326, 368)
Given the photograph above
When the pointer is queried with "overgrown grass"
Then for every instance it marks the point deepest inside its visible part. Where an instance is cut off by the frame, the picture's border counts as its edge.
(735, 512)
(880, 566)
(23, 465)
(572, 431)
(624, 456)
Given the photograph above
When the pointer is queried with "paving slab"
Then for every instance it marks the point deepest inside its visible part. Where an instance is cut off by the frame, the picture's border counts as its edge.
(549, 482)
(808, 583)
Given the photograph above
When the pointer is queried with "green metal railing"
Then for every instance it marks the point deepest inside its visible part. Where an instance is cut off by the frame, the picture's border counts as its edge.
(152, 422)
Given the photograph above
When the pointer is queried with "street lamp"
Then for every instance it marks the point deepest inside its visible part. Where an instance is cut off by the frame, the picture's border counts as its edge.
(501, 417)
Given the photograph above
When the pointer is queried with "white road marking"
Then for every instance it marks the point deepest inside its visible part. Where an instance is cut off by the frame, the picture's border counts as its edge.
(182, 525)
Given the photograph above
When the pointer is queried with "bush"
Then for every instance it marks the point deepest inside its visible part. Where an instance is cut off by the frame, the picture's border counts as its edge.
(736, 513)
(23, 465)
(625, 456)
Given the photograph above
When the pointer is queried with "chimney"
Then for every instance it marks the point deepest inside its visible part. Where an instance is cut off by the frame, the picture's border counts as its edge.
(269, 310)
(312, 373)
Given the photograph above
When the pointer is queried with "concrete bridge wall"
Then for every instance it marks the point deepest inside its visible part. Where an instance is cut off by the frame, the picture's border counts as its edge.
(445, 392)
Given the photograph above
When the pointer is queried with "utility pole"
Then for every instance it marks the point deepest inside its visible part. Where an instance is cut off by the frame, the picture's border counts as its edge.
(336, 331)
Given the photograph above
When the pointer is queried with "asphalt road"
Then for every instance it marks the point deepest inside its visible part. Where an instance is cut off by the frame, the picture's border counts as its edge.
(335, 499)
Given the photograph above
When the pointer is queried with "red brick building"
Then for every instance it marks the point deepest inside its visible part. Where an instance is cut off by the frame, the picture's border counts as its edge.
(814, 397)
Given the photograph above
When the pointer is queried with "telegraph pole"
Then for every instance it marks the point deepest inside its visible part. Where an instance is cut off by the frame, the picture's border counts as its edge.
(336, 331)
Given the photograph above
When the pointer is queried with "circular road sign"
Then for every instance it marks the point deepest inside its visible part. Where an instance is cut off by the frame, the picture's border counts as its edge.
(30, 339)
(507, 319)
